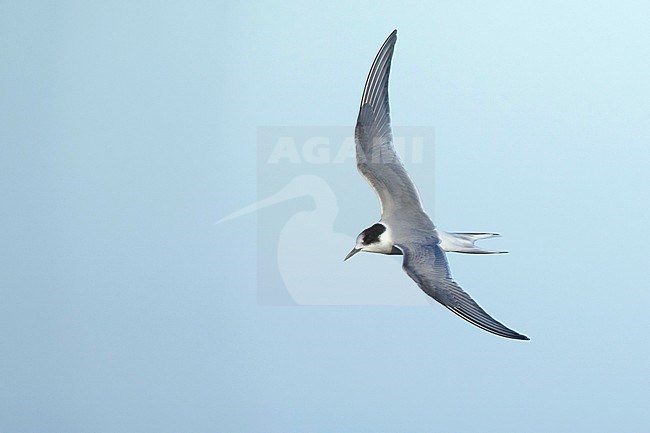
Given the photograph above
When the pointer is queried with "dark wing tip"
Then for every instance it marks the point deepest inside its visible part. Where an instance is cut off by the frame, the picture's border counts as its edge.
(517, 336)
(375, 92)
(492, 326)
(510, 334)
(507, 333)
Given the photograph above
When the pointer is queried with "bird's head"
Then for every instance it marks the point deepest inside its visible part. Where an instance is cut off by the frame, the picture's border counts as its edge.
(374, 239)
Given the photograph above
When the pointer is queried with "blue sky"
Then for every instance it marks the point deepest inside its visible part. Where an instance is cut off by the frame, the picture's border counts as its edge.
(128, 129)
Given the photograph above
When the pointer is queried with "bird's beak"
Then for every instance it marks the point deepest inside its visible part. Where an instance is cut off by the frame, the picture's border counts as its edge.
(351, 253)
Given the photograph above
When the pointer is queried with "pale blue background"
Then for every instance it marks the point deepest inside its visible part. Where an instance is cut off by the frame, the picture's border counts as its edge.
(127, 129)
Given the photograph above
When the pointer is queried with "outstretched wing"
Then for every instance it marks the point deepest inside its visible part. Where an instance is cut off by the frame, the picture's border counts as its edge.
(427, 266)
(376, 157)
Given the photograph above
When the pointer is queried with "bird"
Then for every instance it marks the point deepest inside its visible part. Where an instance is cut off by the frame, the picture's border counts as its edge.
(405, 228)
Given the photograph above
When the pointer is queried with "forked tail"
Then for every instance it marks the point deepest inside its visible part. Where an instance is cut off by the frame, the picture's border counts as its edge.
(465, 242)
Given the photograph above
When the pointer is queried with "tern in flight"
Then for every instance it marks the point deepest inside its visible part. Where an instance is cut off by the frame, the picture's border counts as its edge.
(404, 227)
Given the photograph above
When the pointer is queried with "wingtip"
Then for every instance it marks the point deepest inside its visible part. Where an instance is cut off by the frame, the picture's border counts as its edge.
(508, 333)
(520, 337)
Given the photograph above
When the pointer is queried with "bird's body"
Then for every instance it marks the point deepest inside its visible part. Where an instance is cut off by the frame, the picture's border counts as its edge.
(404, 227)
